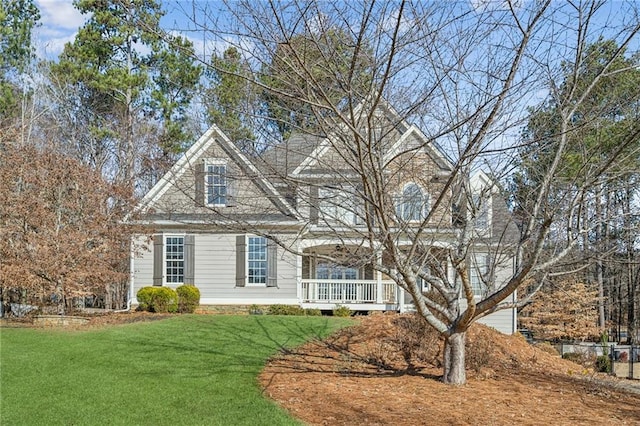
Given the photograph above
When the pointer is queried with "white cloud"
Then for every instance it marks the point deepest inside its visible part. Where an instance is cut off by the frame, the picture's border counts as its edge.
(49, 42)
(60, 14)
(59, 23)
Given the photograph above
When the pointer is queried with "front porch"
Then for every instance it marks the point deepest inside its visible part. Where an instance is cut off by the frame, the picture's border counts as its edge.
(335, 274)
(357, 295)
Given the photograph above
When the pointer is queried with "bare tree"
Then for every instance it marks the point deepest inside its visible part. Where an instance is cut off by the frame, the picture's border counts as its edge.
(59, 222)
(467, 74)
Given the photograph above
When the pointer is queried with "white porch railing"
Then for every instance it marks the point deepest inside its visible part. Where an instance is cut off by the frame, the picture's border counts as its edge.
(349, 291)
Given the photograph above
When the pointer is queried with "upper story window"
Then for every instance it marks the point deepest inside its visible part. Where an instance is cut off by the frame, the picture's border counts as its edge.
(337, 206)
(215, 183)
(482, 211)
(413, 205)
(479, 274)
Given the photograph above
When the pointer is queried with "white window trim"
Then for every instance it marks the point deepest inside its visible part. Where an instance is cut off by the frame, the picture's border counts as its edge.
(246, 262)
(164, 259)
(215, 162)
(480, 267)
(425, 286)
(426, 205)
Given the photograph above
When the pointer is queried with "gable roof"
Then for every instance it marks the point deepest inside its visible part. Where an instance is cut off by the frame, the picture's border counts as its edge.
(283, 158)
(195, 152)
(400, 124)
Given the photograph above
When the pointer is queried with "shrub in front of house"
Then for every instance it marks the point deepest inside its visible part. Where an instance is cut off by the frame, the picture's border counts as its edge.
(157, 299)
(145, 296)
(341, 311)
(188, 298)
(313, 312)
(285, 310)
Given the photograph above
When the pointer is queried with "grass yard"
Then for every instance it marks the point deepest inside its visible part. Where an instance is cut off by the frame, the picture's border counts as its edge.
(187, 370)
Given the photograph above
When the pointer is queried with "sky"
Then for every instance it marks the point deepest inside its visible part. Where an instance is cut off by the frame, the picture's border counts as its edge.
(59, 23)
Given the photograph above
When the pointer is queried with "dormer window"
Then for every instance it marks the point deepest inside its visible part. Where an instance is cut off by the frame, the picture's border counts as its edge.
(413, 205)
(215, 183)
(482, 211)
(338, 206)
(480, 201)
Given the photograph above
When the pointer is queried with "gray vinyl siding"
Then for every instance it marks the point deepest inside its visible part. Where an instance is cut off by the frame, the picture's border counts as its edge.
(142, 263)
(215, 273)
(215, 276)
(185, 193)
(503, 321)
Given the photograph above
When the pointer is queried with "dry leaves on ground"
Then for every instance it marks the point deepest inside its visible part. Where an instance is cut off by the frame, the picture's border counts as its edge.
(355, 377)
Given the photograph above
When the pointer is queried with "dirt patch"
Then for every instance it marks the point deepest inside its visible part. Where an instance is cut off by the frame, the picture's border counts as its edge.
(358, 376)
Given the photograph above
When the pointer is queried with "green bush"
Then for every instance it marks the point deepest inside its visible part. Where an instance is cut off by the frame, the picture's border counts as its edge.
(157, 299)
(145, 297)
(313, 312)
(603, 364)
(341, 311)
(255, 310)
(285, 310)
(188, 298)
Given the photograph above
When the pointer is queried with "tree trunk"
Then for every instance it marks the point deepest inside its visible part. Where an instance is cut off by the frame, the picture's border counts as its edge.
(60, 303)
(632, 306)
(599, 263)
(454, 364)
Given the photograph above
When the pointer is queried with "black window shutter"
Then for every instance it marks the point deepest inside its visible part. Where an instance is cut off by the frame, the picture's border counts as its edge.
(241, 261)
(189, 259)
(158, 260)
(199, 184)
(272, 264)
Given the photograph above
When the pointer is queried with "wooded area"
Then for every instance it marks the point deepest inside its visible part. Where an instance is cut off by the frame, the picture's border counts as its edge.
(543, 97)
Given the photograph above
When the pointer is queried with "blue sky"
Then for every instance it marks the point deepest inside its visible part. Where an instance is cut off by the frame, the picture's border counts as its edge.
(59, 23)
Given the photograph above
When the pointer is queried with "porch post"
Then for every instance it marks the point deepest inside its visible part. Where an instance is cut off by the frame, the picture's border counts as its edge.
(299, 278)
(378, 281)
(400, 299)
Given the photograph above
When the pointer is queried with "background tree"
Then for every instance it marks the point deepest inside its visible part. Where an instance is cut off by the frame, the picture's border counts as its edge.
(133, 87)
(600, 130)
(231, 100)
(319, 61)
(564, 310)
(17, 20)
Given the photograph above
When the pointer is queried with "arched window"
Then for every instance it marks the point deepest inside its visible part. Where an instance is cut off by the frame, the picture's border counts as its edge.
(413, 205)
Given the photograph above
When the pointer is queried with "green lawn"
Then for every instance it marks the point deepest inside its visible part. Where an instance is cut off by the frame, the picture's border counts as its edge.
(187, 370)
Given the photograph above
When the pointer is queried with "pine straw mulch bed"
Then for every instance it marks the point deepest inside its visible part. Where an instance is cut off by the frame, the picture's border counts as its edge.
(379, 372)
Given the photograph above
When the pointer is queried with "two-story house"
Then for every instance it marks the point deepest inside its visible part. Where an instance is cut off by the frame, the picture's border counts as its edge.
(289, 226)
